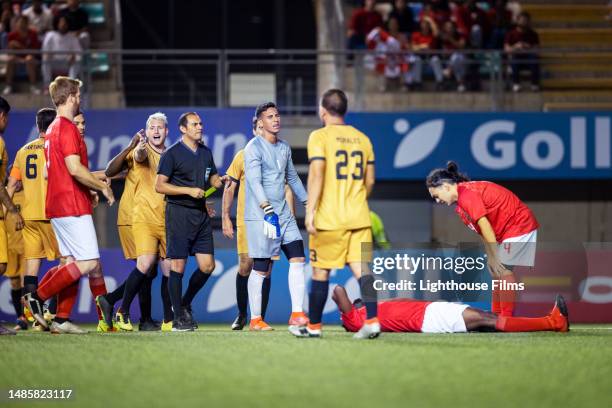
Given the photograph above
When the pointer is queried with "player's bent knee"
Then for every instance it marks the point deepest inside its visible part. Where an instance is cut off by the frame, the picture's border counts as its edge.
(88, 266)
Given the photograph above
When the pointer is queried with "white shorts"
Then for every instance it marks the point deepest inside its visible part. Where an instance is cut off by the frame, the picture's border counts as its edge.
(519, 250)
(76, 237)
(444, 317)
(261, 247)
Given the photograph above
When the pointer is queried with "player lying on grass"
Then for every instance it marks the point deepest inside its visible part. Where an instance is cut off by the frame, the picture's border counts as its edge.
(402, 315)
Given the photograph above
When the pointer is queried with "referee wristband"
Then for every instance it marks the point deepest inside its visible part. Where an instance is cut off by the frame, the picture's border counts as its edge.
(268, 209)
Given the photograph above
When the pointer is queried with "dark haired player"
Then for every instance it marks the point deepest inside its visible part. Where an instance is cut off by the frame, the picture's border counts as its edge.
(505, 224)
(270, 224)
(444, 317)
(340, 179)
(185, 169)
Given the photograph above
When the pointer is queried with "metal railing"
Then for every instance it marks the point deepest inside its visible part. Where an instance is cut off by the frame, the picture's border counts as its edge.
(204, 77)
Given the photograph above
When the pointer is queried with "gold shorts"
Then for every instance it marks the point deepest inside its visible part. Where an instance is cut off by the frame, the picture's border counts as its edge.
(241, 239)
(127, 241)
(150, 239)
(3, 243)
(334, 249)
(39, 241)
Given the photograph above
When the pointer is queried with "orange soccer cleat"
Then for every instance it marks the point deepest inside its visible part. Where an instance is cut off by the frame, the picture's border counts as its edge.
(559, 315)
(257, 324)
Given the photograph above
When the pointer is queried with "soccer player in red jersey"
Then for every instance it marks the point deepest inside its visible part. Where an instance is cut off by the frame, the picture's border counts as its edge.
(68, 205)
(402, 315)
(506, 225)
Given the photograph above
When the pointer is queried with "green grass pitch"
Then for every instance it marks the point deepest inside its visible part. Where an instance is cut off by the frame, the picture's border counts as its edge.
(215, 367)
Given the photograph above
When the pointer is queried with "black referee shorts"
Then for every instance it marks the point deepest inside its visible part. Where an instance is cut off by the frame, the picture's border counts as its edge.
(188, 232)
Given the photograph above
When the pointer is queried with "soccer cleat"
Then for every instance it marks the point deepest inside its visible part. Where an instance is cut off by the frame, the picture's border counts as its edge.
(181, 326)
(104, 328)
(258, 324)
(308, 331)
(239, 322)
(34, 305)
(297, 320)
(369, 330)
(188, 316)
(38, 328)
(22, 324)
(66, 328)
(48, 315)
(149, 325)
(27, 313)
(166, 326)
(122, 321)
(559, 315)
(106, 309)
(4, 331)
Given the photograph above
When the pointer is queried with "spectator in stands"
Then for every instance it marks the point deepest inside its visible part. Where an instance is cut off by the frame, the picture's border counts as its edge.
(500, 21)
(22, 38)
(438, 10)
(78, 21)
(473, 23)
(69, 63)
(404, 16)
(522, 46)
(41, 18)
(453, 41)
(363, 21)
(388, 58)
(8, 21)
(423, 40)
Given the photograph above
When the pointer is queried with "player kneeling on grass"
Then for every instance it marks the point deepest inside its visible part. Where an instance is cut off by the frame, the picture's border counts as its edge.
(401, 315)
(505, 224)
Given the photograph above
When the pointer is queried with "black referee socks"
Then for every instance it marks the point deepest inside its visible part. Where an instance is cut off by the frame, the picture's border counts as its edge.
(175, 287)
(196, 282)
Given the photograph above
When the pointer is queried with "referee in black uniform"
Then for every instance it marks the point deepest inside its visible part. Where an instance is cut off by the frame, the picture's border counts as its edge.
(185, 170)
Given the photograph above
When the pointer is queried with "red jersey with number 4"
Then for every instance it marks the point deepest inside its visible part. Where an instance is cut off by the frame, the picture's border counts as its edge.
(508, 215)
(66, 197)
(401, 316)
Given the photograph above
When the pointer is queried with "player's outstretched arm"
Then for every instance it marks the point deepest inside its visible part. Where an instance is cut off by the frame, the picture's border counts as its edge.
(85, 177)
(117, 163)
(226, 205)
(316, 171)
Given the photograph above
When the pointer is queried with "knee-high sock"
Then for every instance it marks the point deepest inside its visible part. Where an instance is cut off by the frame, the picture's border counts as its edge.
(317, 299)
(16, 300)
(53, 305)
(507, 297)
(62, 278)
(117, 294)
(66, 300)
(297, 286)
(265, 295)
(132, 286)
(368, 293)
(30, 283)
(97, 286)
(48, 275)
(495, 306)
(256, 280)
(523, 324)
(175, 287)
(165, 295)
(242, 294)
(196, 282)
(144, 294)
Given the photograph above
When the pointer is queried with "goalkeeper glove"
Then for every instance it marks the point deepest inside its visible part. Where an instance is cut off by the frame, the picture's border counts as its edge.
(271, 225)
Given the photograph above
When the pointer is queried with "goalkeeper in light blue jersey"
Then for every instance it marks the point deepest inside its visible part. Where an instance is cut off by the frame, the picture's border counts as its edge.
(270, 225)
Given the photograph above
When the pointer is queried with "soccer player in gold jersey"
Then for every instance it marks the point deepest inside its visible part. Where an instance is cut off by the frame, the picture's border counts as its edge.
(340, 179)
(148, 222)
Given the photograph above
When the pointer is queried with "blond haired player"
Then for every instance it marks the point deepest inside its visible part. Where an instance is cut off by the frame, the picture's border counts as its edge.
(28, 169)
(340, 179)
(148, 229)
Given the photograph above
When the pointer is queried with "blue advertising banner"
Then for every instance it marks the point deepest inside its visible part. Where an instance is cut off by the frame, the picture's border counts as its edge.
(108, 131)
(490, 145)
(216, 302)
